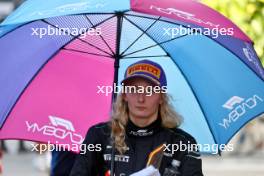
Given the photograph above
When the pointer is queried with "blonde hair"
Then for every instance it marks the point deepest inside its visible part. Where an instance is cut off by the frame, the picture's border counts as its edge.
(169, 119)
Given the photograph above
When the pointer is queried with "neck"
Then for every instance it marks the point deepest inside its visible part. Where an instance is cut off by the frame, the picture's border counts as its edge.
(143, 122)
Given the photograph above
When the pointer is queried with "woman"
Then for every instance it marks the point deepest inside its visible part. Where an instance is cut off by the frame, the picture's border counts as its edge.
(143, 130)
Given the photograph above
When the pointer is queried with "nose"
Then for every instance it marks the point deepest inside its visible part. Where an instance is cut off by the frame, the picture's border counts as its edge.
(141, 97)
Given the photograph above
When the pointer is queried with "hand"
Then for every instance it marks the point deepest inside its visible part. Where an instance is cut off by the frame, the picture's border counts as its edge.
(149, 171)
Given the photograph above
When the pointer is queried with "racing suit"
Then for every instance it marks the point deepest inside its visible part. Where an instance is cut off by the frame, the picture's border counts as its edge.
(140, 142)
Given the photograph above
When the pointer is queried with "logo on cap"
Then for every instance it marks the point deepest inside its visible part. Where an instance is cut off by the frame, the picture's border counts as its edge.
(146, 68)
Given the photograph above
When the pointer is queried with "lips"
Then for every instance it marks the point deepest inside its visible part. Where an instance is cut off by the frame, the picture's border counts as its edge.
(140, 108)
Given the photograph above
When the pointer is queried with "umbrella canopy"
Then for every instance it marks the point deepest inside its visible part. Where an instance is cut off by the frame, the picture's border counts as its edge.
(55, 55)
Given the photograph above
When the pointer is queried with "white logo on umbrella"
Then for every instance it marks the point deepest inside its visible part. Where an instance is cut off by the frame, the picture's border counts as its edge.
(56, 121)
(233, 101)
(60, 128)
(70, 8)
(78, 6)
(239, 107)
(250, 55)
(182, 14)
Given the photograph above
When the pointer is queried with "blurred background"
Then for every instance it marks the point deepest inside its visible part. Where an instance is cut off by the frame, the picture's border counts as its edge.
(7, 6)
(247, 159)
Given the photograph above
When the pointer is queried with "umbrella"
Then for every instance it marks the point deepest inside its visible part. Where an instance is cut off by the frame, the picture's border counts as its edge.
(59, 59)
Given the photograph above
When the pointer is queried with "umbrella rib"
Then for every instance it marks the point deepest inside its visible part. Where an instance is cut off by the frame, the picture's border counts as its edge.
(100, 35)
(94, 46)
(157, 44)
(144, 32)
(163, 20)
(145, 56)
(77, 37)
(74, 50)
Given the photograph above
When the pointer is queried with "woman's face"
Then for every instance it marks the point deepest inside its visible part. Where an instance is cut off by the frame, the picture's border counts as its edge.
(142, 105)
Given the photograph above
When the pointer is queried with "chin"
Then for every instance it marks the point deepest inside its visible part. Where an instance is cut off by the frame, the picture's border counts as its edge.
(142, 115)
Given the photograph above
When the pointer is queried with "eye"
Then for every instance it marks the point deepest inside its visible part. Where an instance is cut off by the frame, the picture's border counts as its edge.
(149, 89)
